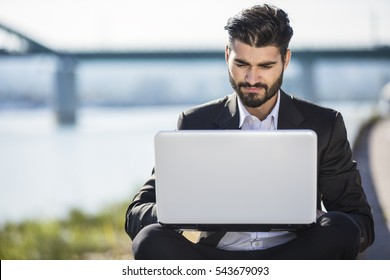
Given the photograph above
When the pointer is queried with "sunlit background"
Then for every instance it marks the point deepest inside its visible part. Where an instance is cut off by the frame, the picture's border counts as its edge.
(173, 24)
(85, 85)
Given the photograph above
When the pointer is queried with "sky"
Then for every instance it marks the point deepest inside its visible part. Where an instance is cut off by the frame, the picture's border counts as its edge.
(90, 25)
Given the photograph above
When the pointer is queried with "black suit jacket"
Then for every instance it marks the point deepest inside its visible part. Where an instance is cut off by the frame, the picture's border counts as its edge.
(339, 183)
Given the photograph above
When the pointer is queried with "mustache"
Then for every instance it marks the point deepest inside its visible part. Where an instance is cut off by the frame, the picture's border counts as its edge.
(257, 85)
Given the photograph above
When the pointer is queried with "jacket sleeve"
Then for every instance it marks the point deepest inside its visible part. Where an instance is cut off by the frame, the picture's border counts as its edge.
(142, 210)
(340, 183)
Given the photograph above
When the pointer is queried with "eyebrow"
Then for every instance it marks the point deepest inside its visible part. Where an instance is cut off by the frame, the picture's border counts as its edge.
(241, 61)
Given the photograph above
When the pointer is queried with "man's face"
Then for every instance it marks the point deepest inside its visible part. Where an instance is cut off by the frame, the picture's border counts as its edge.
(256, 74)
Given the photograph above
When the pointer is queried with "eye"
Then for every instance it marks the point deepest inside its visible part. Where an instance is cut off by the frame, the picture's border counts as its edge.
(266, 66)
(239, 64)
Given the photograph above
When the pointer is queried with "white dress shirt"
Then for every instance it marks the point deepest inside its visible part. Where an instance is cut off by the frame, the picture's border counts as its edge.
(243, 241)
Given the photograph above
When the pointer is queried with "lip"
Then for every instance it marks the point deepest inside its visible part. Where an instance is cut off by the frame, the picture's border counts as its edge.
(252, 89)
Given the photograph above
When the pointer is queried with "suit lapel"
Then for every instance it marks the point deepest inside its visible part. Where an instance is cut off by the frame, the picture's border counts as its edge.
(289, 115)
(229, 116)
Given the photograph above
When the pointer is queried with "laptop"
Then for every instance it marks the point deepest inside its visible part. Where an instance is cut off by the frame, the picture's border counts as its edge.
(236, 180)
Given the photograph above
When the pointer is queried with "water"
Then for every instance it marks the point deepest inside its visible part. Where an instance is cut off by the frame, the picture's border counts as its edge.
(47, 170)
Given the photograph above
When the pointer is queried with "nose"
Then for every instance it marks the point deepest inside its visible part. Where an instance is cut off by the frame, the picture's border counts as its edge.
(253, 75)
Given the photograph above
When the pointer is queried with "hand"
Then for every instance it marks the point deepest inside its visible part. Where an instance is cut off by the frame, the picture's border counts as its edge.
(320, 213)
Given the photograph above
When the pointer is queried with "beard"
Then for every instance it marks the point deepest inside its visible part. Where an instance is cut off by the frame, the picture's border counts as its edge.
(253, 100)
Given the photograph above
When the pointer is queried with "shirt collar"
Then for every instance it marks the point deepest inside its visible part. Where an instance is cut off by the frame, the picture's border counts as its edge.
(274, 113)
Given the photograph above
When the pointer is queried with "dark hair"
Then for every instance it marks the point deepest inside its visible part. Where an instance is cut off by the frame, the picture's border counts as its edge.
(261, 26)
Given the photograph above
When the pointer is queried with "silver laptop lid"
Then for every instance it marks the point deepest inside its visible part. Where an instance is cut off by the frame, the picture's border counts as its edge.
(236, 180)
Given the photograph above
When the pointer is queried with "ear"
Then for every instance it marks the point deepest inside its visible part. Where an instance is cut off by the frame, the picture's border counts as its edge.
(287, 58)
(227, 53)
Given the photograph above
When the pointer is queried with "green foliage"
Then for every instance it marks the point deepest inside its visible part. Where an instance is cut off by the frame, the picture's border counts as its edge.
(80, 236)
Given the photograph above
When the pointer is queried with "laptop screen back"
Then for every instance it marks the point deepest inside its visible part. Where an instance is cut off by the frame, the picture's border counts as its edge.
(236, 180)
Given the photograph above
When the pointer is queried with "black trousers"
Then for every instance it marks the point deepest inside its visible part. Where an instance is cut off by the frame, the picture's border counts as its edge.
(335, 236)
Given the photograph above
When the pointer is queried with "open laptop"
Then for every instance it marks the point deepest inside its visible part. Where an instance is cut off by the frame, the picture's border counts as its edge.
(236, 180)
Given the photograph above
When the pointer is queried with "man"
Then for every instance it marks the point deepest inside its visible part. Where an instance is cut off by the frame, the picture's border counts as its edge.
(257, 54)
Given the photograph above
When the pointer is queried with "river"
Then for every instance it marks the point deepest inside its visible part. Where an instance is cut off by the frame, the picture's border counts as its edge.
(46, 170)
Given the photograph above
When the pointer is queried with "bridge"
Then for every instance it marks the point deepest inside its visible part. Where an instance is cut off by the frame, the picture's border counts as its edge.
(14, 43)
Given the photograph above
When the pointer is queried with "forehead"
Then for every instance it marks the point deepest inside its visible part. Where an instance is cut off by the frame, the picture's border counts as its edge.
(248, 53)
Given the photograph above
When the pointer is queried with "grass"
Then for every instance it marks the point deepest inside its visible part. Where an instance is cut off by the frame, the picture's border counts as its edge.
(79, 236)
